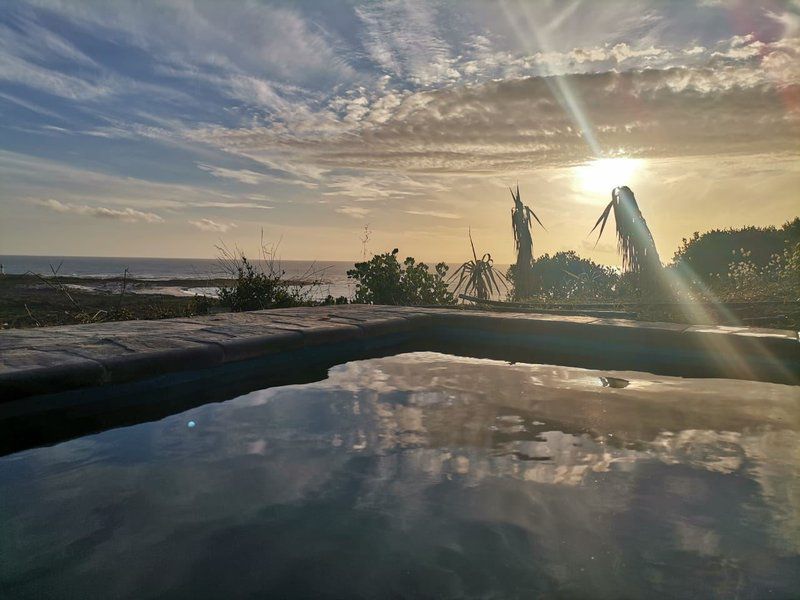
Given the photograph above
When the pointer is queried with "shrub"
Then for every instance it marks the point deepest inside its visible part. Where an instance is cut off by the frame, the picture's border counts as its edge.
(199, 305)
(779, 279)
(383, 280)
(330, 300)
(256, 289)
(565, 276)
(711, 253)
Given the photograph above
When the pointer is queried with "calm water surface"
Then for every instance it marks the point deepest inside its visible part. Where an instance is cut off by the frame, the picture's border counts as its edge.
(423, 475)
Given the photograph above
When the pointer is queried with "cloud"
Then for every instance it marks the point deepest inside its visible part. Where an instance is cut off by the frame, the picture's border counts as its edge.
(101, 212)
(240, 175)
(403, 38)
(24, 175)
(357, 212)
(19, 71)
(31, 106)
(209, 225)
(390, 106)
(432, 213)
(789, 20)
(273, 42)
(520, 125)
(25, 50)
(232, 205)
(39, 58)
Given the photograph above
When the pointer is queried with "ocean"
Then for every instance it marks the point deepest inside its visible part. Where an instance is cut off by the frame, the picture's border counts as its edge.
(332, 273)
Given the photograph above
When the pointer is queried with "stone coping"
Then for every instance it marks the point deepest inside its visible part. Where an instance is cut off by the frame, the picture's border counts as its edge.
(73, 357)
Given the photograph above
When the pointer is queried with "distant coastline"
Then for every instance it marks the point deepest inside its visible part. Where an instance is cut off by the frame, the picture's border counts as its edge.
(148, 268)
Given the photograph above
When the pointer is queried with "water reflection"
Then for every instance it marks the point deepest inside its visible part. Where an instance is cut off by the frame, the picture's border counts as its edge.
(423, 474)
(614, 382)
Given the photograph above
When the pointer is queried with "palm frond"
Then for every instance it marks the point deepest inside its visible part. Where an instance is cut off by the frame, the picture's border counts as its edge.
(634, 241)
(477, 276)
(474, 254)
(603, 218)
(531, 213)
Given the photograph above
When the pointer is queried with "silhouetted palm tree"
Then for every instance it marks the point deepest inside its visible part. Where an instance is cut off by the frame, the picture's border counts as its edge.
(634, 240)
(523, 241)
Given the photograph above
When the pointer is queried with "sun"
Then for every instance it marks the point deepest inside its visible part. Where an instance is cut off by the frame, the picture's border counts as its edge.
(604, 174)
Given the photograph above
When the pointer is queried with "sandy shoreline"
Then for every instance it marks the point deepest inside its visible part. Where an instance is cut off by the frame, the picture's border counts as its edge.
(180, 287)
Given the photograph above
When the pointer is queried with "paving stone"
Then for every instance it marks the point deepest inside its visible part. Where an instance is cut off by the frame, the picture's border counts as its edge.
(376, 326)
(59, 358)
(316, 332)
(29, 372)
(129, 358)
(243, 347)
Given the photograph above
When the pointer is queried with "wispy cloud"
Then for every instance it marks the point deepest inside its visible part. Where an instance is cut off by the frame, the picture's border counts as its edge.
(101, 212)
(77, 187)
(240, 175)
(403, 38)
(31, 106)
(209, 225)
(432, 213)
(230, 205)
(357, 212)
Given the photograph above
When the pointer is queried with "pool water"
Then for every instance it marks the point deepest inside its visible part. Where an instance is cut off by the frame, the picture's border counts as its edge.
(423, 475)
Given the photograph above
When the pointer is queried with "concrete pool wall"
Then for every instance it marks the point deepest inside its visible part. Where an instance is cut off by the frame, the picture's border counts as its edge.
(109, 371)
(55, 359)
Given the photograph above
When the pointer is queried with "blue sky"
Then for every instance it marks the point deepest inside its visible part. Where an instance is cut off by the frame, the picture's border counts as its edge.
(161, 128)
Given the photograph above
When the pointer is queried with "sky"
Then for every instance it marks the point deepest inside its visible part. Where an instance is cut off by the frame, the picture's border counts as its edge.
(165, 128)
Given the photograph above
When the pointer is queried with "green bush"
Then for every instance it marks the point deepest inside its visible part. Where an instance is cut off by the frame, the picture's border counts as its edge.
(779, 279)
(330, 300)
(711, 253)
(199, 305)
(565, 276)
(383, 280)
(256, 289)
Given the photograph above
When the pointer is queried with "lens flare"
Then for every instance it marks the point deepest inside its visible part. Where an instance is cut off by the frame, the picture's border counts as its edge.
(603, 175)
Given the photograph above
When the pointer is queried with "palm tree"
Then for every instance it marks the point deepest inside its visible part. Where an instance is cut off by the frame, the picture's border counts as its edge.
(634, 240)
(523, 242)
(477, 276)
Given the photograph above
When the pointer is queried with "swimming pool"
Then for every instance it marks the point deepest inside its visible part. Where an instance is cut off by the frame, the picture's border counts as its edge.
(425, 475)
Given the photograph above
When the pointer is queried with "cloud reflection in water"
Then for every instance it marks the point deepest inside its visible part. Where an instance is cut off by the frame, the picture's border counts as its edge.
(422, 471)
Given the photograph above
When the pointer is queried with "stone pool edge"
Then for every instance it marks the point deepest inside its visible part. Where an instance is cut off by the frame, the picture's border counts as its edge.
(74, 357)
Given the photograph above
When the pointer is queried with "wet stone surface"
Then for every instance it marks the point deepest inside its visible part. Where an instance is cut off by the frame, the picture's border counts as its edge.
(34, 361)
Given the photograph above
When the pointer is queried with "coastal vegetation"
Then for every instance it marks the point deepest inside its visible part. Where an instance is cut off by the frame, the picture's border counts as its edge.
(749, 275)
(567, 276)
(257, 285)
(477, 277)
(710, 254)
(634, 241)
(384, 280)
(523, 243)
(28, 300)
(263, 284)
(257, 289)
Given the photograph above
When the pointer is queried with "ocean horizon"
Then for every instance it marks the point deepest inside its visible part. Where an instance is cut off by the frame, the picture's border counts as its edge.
(150, 268)
(332, 273)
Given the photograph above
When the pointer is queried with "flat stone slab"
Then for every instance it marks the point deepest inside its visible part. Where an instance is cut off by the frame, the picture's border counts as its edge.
(56, 359)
